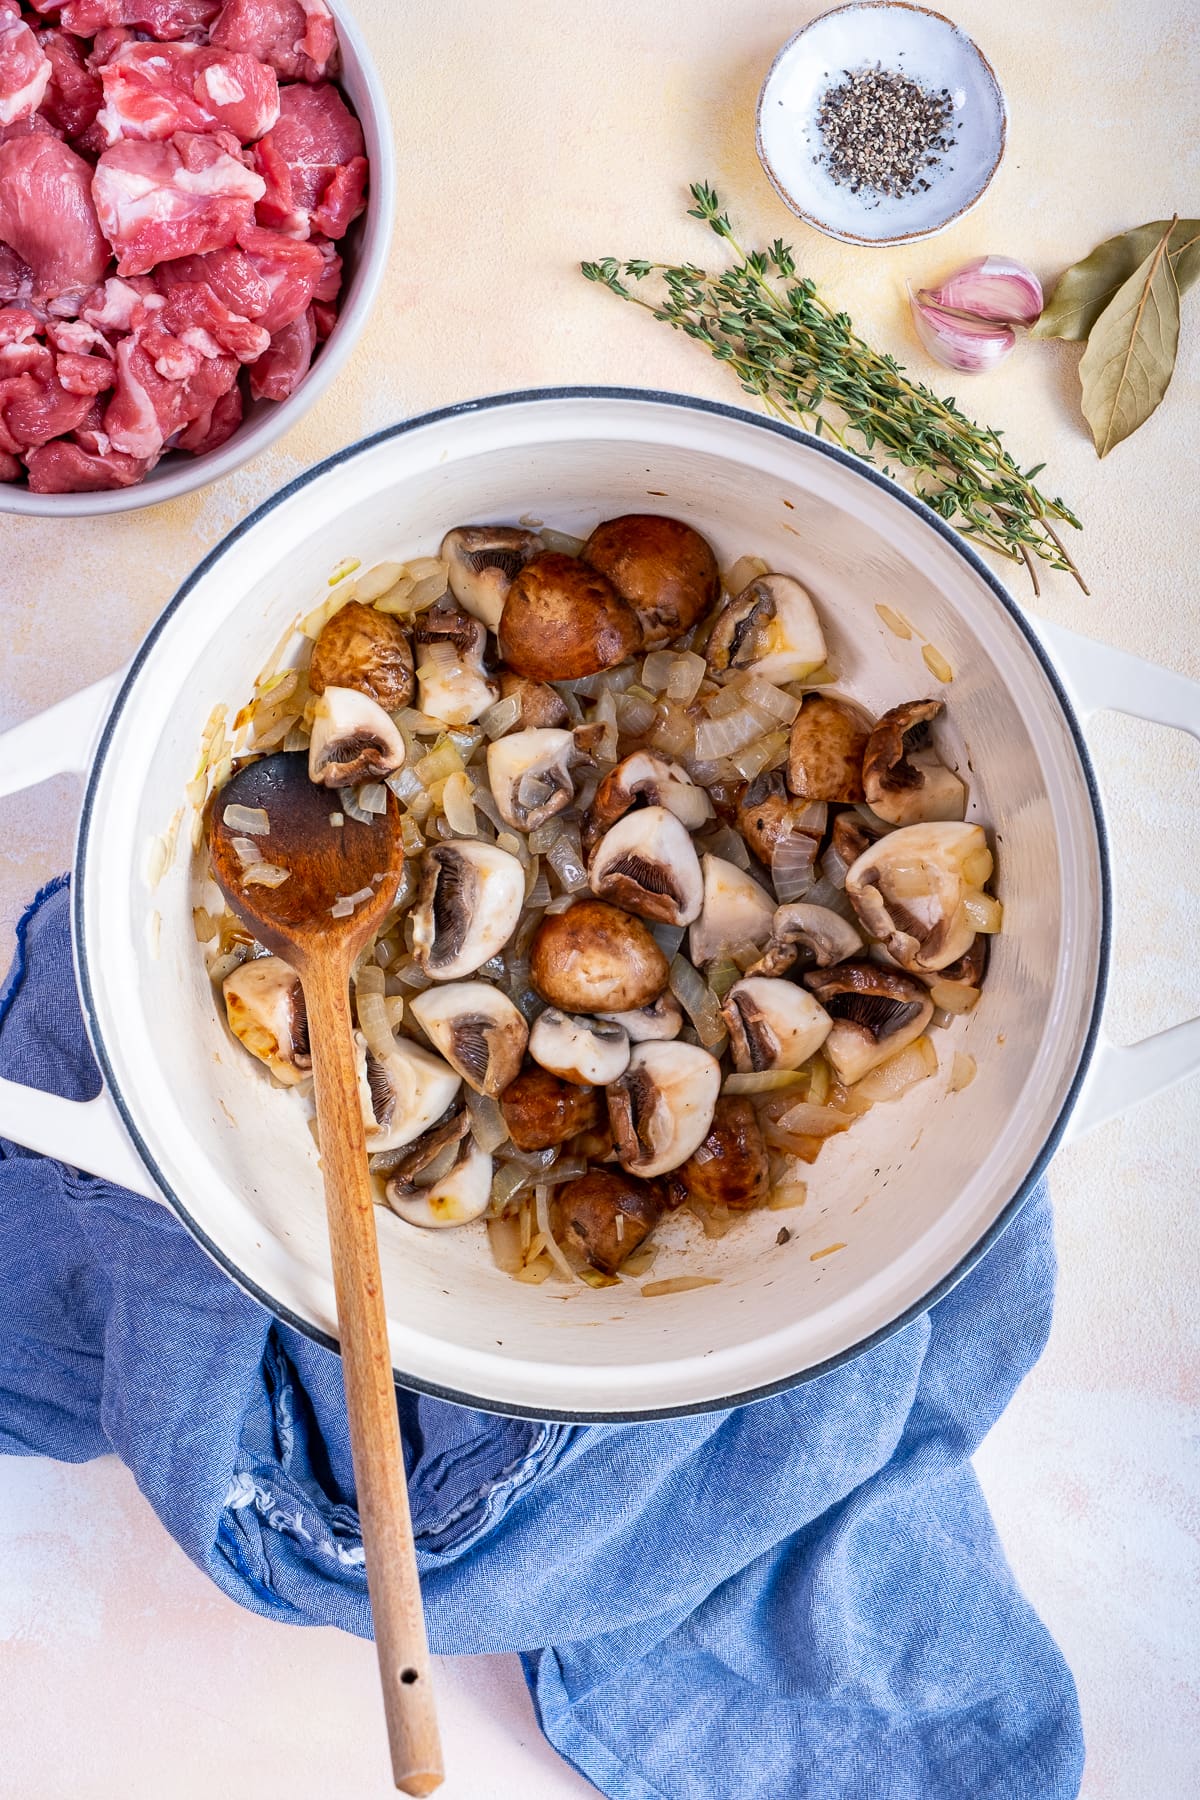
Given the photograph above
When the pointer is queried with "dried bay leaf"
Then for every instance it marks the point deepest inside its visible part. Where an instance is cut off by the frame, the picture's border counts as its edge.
(1130, 353)
(1083, 292)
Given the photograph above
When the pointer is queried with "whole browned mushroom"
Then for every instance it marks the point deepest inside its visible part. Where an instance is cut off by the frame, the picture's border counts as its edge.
(563, 620)
(825, 754)
(904, 779)
(540, 705)
(541, 1109)
(662, 567)
(367, 650)
(731, 1167)
(595, 958)
(875, 1011)
(768, 816)
(604, 1215)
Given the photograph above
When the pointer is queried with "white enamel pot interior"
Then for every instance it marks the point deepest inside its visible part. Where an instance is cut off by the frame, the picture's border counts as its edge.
(911, 1196)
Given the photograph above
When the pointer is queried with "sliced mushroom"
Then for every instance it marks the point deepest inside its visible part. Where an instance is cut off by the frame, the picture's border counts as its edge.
(468, 905)
(772, 821)
(264, 1004)
(917, 889)
(422, 1191)
(483, 562)
(594, 958)
(662, 1106)
(604, 1215)
(477, 1029)
(563, 620)
(904, 779)
(455, 686)
(364, 649)
(806, 937)
(661, 1020)
(826, 749)
(875, 1012)
(590, 1052)
(540, 705)
(770, 627)
(529, 773)
(648, 864)
(736, 911)
(644, 779)
(772, 1024)
(352, 740)
(962, 978)
(542, 1110)
(851, 834)
(402, 1093)
(665, 570)
(731, 1167)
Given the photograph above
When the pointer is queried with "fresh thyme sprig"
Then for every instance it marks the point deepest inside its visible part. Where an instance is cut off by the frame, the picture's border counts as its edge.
(805, 362)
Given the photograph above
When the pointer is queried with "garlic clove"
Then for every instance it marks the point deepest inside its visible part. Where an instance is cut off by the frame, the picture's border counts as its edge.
(992, 287)
(960, 342)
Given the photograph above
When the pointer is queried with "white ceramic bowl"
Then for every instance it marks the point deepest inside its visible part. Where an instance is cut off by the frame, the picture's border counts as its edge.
(364, 252)
(914, 1193)
(930, 49)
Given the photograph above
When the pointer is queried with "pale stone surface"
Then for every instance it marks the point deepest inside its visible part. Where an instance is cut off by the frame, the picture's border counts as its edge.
(530, 135)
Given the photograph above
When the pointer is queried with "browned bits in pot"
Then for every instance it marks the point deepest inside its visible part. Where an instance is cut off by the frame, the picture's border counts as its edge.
(662, 567)
(563, 620)
(367, 650)
(604, 1215)
(596, 958)
(730, 1168)
(541, 1109)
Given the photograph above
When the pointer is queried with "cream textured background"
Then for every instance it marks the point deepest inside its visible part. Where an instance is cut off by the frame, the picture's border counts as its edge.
(530, 133)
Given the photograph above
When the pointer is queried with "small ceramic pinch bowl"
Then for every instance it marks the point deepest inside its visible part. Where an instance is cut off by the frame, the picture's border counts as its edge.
(907, 40)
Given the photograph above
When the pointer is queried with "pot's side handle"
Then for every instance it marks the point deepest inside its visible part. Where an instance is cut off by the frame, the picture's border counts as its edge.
(88, 1134)
(58, 741)
(1098, 679)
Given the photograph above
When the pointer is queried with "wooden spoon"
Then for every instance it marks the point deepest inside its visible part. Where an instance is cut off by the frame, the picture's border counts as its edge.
(296, 921)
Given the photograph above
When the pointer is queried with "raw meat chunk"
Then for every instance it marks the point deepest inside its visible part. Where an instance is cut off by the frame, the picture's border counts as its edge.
(198, 318)
(66, 468)
(17, 326)
(161, 19)
(74, 94)
(209, 430)
(291, 272)
(330, 284)
(47, 216)
(312, 163)
(231, 276)
(89, 375)
(35, 407)
(10, 468)
(24, 69)
(181, 198)
(151, 91)
(280, 370)
(120, 305)
(297, 37)
(149, 407)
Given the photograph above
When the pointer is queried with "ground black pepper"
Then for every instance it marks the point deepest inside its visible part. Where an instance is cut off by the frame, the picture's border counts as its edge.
(881, 130)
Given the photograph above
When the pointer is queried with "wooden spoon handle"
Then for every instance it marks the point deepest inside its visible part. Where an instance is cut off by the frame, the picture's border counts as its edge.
(392, 1582)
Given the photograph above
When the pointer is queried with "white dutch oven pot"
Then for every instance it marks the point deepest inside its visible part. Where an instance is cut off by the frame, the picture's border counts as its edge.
(914, 1194)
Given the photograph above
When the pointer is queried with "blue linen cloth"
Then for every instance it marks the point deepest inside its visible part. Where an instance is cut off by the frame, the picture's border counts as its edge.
(803, 1599)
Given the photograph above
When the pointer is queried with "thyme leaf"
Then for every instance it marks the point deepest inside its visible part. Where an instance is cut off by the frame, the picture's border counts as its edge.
(789, 349)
